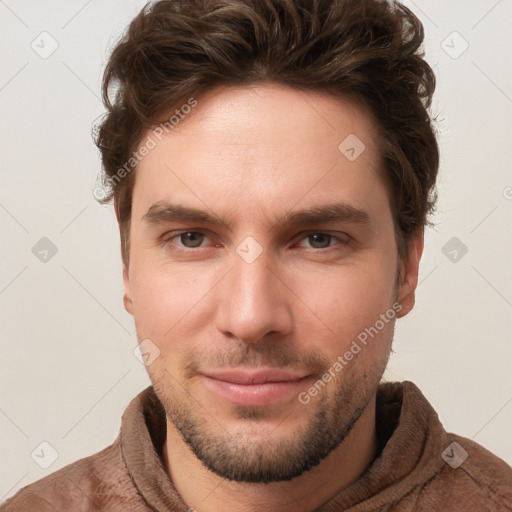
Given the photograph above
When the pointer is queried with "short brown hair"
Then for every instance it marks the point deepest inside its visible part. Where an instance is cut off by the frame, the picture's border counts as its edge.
(370, 50)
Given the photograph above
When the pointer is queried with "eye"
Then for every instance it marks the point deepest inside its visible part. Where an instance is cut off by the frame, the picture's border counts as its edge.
(186, 239)
(193, 238)
(320, 240)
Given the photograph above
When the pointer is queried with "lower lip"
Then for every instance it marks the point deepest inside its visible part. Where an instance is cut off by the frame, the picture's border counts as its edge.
(254, 395)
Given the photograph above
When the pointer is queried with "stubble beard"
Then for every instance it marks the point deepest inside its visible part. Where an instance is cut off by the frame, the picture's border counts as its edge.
(251, 453)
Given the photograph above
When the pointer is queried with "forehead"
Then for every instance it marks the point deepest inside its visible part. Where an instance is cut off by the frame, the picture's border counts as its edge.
(267, 145)
(257, 114)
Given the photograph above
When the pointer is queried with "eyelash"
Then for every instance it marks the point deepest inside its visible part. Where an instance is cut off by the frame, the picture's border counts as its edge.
(169, 237)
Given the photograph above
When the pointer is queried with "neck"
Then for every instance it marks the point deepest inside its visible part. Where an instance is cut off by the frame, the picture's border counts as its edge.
(204, 491)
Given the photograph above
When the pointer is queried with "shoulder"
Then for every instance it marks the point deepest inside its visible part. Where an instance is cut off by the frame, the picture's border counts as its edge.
(98, 482)
(472, 478)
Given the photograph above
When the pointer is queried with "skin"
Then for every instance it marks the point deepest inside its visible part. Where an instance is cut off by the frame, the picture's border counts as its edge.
(249, 155)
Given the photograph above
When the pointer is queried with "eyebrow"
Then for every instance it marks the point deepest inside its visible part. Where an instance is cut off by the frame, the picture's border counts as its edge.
(167, 212)
(163, 211)
(336, 212)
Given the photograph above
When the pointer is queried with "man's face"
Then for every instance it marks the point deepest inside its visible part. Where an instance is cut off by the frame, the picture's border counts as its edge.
(250, 312)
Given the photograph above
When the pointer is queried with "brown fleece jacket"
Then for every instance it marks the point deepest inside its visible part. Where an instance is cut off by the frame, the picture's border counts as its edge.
(417, 467)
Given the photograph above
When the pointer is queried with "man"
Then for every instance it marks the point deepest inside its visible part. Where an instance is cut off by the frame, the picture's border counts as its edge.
(272, 165)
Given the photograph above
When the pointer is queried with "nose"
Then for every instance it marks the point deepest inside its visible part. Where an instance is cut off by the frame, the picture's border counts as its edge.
(254, 302)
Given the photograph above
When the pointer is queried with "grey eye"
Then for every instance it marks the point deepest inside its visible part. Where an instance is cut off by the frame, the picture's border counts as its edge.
(191, 239)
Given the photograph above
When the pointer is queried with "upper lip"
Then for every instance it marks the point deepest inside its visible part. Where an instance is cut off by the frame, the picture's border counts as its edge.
(259, 376)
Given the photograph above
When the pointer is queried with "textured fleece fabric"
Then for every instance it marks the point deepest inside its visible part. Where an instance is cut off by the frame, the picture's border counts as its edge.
(412, 471)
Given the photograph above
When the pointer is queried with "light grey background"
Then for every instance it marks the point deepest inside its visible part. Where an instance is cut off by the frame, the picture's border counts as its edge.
(67, 368)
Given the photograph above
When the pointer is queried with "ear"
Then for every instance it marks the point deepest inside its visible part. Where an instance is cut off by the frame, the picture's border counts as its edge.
(409, 274)
(127, 298)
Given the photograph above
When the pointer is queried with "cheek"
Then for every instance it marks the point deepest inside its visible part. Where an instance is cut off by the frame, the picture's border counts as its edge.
(164, 297)
(346, 302)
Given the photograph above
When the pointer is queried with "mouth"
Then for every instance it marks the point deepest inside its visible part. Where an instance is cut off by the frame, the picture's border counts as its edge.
(256, 388)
